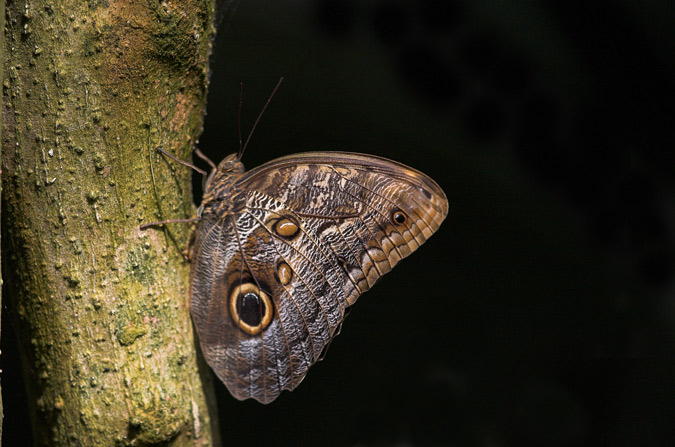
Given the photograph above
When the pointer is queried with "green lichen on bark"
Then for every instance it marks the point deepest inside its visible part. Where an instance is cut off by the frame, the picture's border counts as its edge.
(2, 41)
(90, 89)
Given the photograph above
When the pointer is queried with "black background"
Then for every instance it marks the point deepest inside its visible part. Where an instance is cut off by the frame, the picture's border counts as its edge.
(543, 311)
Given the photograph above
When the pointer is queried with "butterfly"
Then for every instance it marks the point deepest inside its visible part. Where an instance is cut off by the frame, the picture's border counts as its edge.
(282, 251)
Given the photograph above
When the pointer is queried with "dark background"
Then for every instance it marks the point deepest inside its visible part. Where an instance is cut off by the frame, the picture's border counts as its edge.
(543, 311)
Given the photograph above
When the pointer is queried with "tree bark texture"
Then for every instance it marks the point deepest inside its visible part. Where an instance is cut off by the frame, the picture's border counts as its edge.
(2, 41)
(90, 90)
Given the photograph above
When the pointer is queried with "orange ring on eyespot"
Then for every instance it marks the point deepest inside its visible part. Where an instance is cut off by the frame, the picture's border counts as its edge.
(242, 291)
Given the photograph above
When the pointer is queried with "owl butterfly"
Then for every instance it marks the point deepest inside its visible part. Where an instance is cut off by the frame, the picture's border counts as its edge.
(281, 252)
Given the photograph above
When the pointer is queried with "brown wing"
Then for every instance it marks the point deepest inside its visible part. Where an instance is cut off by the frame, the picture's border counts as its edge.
(270, 283)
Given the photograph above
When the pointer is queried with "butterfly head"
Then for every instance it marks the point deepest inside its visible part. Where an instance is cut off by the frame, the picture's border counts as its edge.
(227, 170)
(231, 164)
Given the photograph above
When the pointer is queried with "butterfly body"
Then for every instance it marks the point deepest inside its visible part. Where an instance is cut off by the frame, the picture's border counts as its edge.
(283, 250)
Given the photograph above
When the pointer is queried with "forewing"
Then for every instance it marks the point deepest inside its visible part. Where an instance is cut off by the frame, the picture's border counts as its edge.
(366, 213)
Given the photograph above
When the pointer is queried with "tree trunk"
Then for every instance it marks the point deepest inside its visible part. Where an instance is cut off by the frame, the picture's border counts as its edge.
(2, 46)
(90, 90)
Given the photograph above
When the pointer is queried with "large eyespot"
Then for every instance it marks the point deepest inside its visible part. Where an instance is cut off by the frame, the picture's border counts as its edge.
(286, 228)
(250, 308)
(399, 217)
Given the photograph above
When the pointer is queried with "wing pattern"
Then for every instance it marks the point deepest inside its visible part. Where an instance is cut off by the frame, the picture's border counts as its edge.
(284, 251)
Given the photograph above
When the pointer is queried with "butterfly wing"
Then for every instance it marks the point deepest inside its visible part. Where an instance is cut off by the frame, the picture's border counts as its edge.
(271, 282)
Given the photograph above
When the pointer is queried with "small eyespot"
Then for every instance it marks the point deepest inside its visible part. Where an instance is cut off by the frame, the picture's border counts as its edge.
(399, 217)
(250, 308)
(284, 273)
(286, 228)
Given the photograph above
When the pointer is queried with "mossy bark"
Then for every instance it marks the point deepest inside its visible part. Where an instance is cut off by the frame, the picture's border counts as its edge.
(90, 90)
(2, 40)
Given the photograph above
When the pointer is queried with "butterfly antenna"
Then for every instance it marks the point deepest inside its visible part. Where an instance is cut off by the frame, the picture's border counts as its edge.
(241, 101)
(201, 155)
(241, 153)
